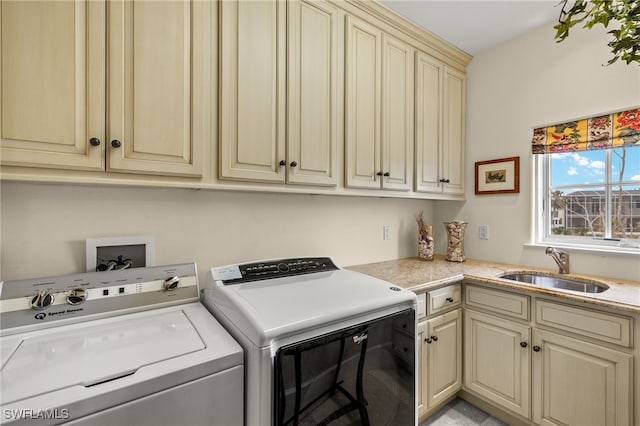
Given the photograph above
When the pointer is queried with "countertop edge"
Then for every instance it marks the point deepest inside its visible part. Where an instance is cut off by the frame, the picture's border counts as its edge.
(420, 276)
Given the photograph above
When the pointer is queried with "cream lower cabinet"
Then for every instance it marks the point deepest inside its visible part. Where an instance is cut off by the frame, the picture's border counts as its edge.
(441, 360)
(440, 121)
(580, 375)
(579, 383)
(279, 94)
(439, 349)
(151, 60)
(497, 360)
(378, 109)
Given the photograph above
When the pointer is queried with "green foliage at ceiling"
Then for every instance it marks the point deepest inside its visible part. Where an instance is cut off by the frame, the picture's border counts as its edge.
(623, 14)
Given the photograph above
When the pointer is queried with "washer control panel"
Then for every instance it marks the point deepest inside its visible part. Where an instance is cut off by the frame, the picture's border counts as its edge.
(42, 300)
(247, 272)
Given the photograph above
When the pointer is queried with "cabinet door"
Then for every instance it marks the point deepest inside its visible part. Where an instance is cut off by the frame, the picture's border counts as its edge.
(313, 99)
(428, 109)
(453, 131)
(52, 83)
(155, 92)
(578, 383)
(497, 367)
(444, 357)
(397, 114)
(422, 370)
(252, 90)
(362, 105)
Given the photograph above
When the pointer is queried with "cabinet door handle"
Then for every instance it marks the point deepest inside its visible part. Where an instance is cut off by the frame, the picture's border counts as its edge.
(386, 174)
(536, 348)
(450, 299)
(379, 174)
(282, 163)
(445, 180)
(523, 344)
(293, 164)
(428, 340)
(435, 338)
(116, 143)
(94, 142)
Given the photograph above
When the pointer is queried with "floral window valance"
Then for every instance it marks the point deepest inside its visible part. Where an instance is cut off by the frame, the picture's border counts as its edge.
(605, 131)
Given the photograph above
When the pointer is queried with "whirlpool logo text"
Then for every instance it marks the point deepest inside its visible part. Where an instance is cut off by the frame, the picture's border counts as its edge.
(360, 338)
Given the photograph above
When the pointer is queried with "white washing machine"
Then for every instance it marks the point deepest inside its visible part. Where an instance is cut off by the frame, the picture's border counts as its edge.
(323, 345)
(129, 347)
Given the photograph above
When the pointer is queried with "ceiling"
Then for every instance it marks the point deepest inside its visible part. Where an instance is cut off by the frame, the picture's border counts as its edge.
(477, 25)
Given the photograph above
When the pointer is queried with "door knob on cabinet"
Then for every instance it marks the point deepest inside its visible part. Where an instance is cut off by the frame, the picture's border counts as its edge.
(379, 174)
(386, 174)
(444, 180)
(94, 142)
(282, 163)
(116, 143)
(435, 338)
(293, 164)
(536, 348)
(428, 340)
(450, 299)
(523, 344)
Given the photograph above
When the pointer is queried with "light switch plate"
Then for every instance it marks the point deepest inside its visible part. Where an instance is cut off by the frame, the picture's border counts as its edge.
(483, 231)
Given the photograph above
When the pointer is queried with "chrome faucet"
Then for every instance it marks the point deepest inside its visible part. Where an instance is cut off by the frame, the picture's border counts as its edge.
(561, 257)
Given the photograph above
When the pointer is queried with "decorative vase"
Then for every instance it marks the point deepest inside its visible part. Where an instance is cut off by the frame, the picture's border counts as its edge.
(455, 244)
(425, 242)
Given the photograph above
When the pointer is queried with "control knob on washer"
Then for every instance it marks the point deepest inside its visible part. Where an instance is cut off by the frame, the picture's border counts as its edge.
(171, 283)
(76, 296)
(41, 300)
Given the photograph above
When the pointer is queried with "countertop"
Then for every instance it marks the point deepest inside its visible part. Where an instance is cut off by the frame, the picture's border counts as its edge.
(421, 275)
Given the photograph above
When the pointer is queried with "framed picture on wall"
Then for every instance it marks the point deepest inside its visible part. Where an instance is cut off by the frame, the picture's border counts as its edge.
(501, 176)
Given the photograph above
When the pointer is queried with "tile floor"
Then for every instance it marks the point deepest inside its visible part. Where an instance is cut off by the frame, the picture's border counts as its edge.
(461, 413)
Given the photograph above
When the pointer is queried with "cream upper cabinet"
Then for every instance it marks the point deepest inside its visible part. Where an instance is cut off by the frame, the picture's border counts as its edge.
(313, 96)
(440, 121)
(579, 383)
(497, 361)
(155, 87)
(252, 90)
(378, 109)
(255, 95)
(52, 80)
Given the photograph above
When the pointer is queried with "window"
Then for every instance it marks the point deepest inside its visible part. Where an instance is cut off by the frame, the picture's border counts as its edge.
(590, 198)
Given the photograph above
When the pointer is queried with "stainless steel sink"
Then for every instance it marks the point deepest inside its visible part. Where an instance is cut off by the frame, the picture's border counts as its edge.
(554, 281)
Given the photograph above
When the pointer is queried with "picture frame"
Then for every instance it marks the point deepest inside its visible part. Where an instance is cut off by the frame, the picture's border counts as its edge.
(500, 176)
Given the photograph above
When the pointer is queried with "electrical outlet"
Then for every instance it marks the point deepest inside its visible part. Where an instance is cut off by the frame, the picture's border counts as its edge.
(386, 232)
(483, 231)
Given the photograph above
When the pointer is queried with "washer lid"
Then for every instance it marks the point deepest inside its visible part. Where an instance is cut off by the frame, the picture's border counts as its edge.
(275, 308)
(88, 354)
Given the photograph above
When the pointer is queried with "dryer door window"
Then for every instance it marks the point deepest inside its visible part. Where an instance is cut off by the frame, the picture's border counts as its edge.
(362, 375)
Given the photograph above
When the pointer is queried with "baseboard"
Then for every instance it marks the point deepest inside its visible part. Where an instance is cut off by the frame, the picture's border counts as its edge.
(496, 412)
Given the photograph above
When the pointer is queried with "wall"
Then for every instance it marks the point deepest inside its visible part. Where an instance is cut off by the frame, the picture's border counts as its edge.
(44, 227)
(527, 82)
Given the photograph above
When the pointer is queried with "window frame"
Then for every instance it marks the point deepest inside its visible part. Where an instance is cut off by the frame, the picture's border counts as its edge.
(542, 220)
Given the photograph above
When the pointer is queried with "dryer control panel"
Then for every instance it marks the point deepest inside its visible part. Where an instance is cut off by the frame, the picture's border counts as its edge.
(269, 269)
(72, 298)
